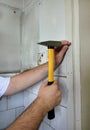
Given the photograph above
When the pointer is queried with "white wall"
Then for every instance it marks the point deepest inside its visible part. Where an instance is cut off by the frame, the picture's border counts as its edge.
(30, 36)
(9, 39)
(13, 3)
(27, 2)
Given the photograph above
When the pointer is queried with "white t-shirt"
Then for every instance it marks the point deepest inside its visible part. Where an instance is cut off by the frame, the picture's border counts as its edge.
(4, 82)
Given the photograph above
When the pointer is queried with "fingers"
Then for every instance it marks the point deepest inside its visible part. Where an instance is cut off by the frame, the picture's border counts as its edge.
(65, 42)
(60, 55)
(54, 84)
(63, 50)
(60, 52)
(58, 91)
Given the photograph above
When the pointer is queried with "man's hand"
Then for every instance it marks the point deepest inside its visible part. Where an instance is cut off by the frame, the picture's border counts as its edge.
(60, 52)
(50, 96)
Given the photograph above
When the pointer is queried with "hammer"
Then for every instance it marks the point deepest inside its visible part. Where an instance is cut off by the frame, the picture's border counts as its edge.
(51, 45)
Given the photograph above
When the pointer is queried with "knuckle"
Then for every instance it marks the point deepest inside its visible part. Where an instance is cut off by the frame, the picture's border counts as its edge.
(59, 93)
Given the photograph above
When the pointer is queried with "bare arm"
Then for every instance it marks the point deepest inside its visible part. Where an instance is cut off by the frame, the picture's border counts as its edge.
(29, 78)
(31, 118)
(46, 100)
(26, 79)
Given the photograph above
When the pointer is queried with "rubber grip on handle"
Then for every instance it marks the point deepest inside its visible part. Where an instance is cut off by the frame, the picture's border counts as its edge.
(51, 114)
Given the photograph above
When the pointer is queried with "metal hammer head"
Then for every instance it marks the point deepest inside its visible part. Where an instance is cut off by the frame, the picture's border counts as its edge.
(51, 44)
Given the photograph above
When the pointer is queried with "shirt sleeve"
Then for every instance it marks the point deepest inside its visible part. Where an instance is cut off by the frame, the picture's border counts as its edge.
(4, 82)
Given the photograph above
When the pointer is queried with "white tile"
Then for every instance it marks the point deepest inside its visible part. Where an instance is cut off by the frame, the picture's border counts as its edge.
(3, 104)
(41, 126)
(44, 126)
(16, 100)
(60, 120)
(28, 98)
(65, 91)
(18, 111)
(35, 88)
(6, 118)
(32, 97)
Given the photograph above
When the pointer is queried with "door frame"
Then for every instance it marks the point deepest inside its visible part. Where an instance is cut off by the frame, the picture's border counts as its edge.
(72, 34)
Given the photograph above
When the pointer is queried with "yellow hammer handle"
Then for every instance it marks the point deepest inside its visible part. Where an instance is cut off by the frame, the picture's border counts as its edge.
(50, 64)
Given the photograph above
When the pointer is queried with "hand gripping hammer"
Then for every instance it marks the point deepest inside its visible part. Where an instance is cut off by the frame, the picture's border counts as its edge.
(51, 45)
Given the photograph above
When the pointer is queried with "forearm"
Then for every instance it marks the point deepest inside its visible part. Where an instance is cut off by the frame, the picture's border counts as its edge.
(30, 77)
(31, 118)
(27, 79)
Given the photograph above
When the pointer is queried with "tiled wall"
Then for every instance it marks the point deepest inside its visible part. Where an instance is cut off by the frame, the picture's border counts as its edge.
(12, 106)
(60, 121)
